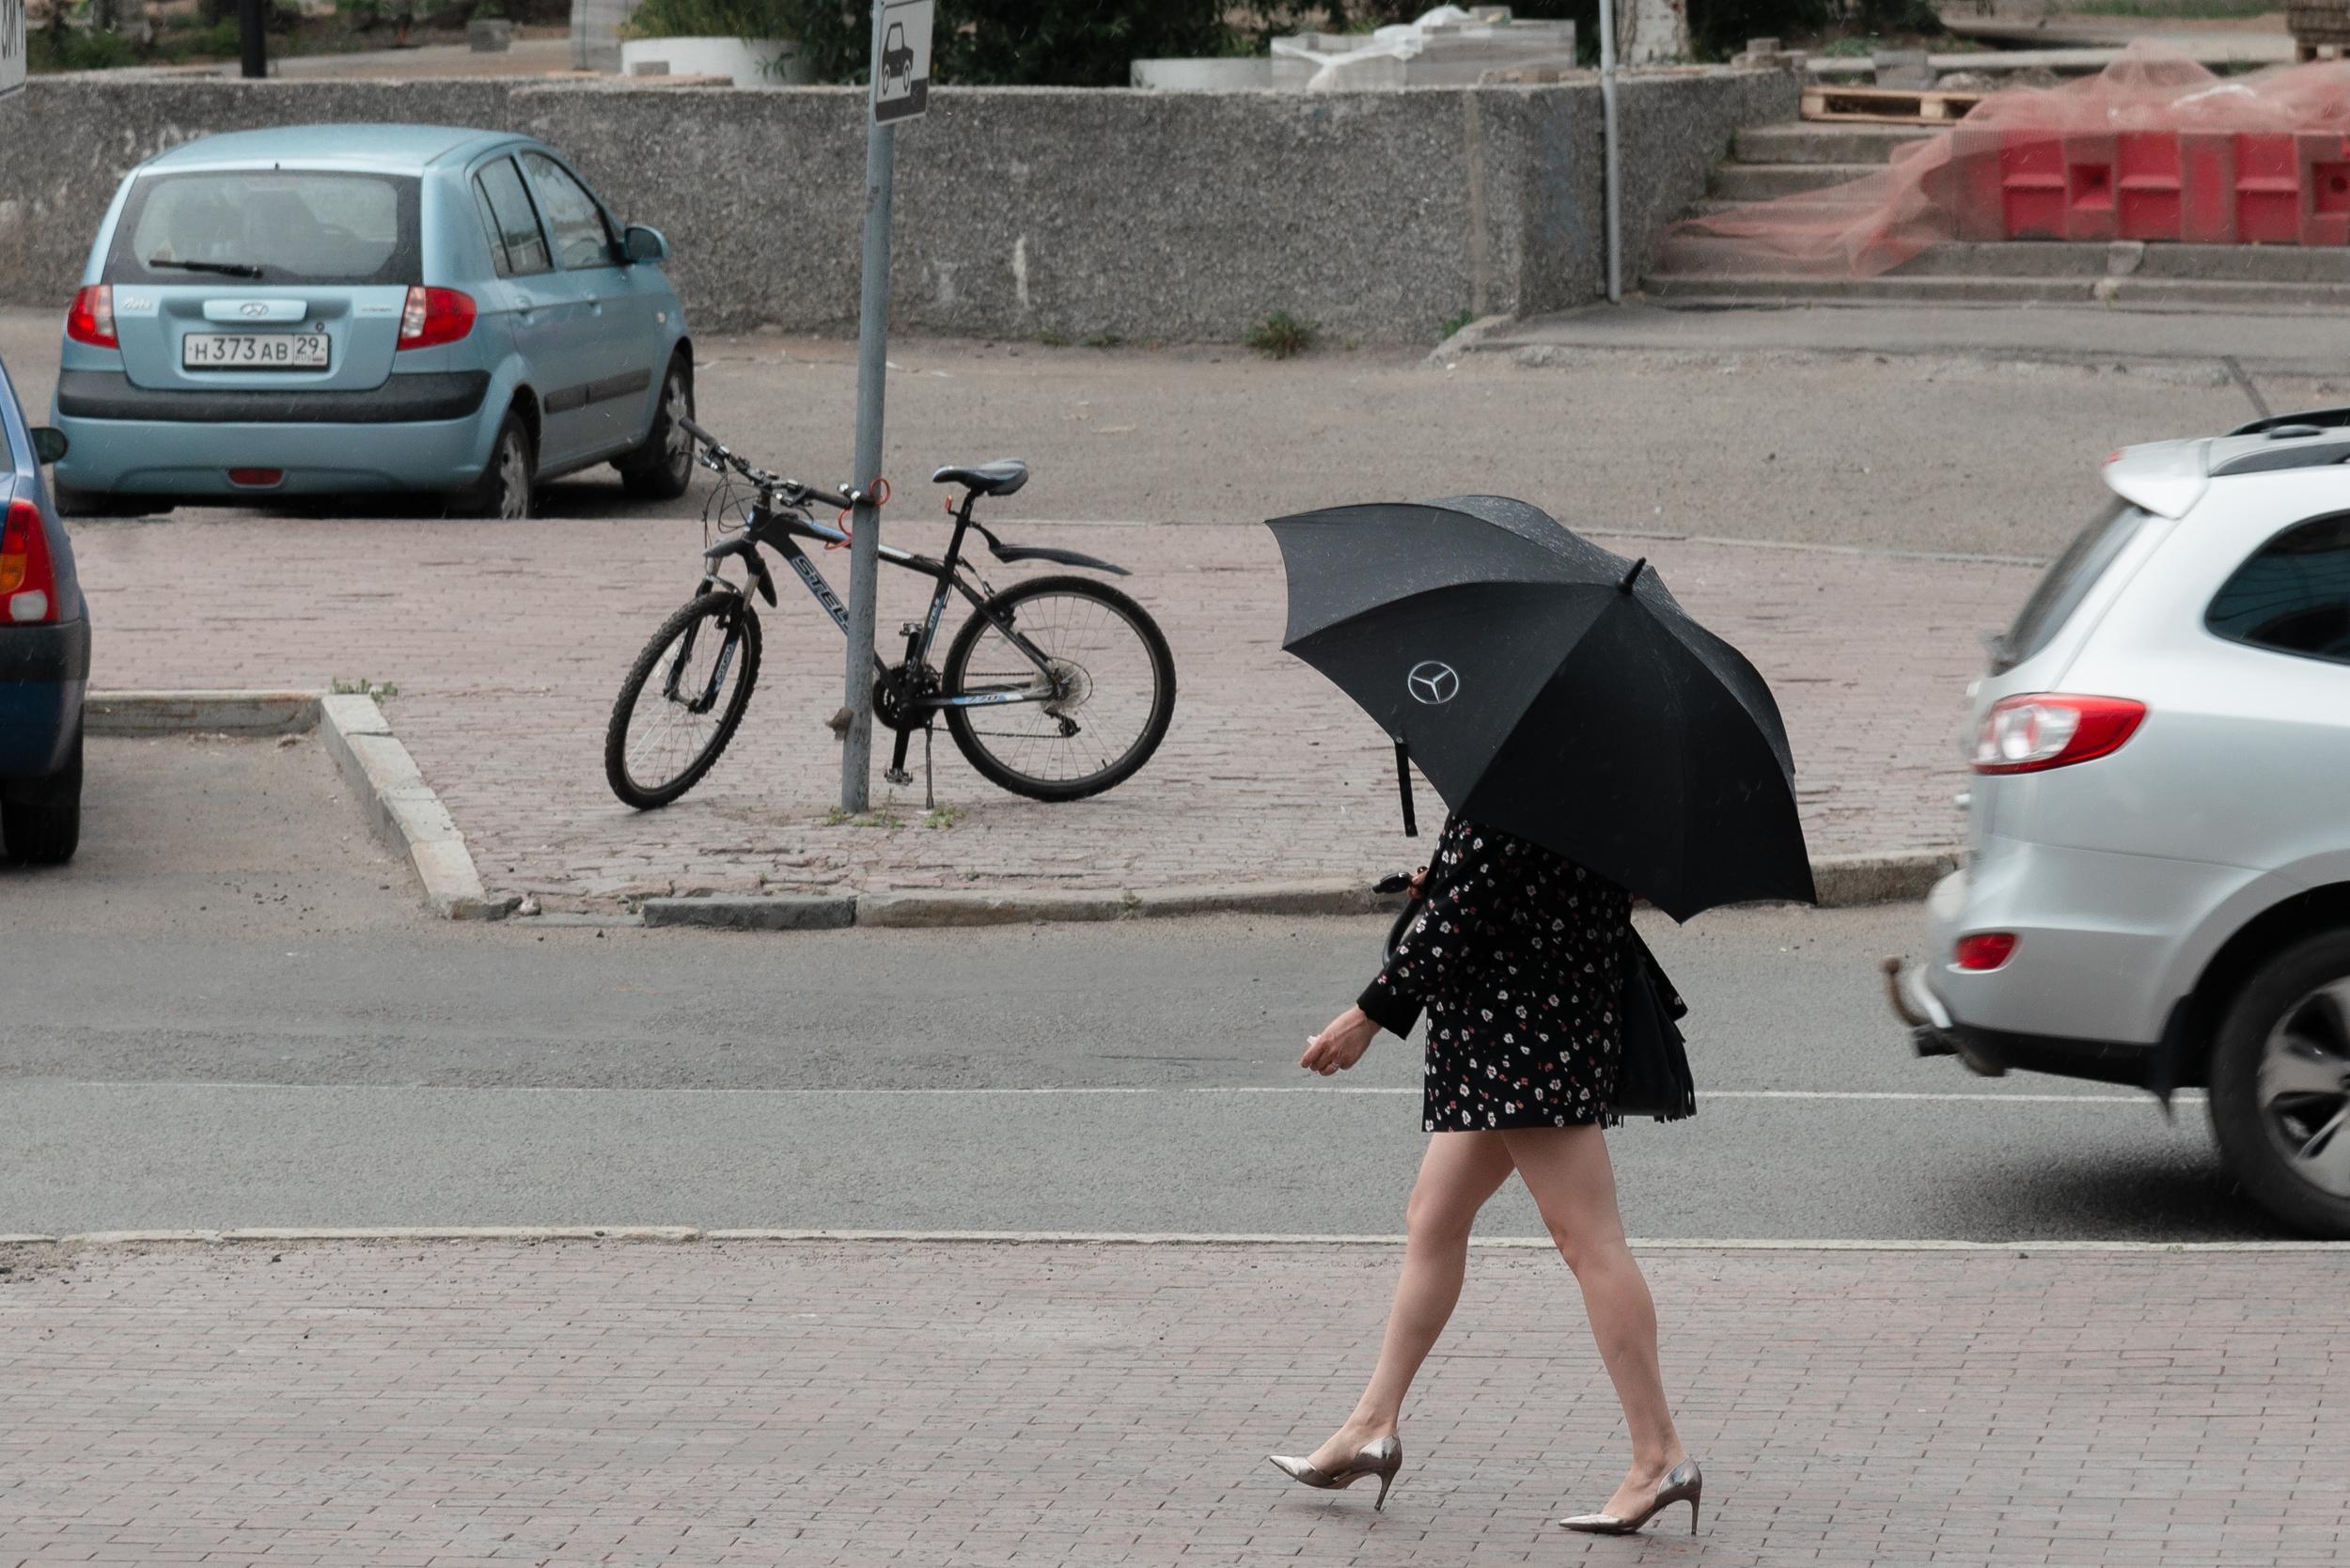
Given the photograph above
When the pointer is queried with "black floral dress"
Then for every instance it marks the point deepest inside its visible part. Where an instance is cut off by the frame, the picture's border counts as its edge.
(1519, 960)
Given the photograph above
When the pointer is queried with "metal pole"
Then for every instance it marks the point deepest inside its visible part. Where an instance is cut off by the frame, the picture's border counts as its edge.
(872, 368)
(252, 38)
(1608, 134)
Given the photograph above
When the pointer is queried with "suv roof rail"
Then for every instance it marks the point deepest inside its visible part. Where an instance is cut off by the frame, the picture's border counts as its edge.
(2307, 447)
(2325, 418)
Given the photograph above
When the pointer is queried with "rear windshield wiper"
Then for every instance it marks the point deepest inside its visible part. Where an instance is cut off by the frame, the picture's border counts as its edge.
(226, 268)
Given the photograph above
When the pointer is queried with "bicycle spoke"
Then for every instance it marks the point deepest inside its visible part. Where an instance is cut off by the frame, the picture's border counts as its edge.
(676, 717)
(1110, 676)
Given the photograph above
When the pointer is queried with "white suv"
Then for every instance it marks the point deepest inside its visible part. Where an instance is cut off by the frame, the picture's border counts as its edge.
(2157, 884)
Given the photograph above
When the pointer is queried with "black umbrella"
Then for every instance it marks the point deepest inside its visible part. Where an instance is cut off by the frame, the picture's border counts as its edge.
(1554, 690)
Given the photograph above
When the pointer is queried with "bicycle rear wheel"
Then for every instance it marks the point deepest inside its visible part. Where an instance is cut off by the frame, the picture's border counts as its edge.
(1117, 681)
(682, 701)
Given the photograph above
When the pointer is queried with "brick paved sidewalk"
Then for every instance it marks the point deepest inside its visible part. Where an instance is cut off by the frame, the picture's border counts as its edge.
(508, 643)
(811, 1404)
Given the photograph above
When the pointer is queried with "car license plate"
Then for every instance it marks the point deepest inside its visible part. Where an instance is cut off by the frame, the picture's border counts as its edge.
(252, 350)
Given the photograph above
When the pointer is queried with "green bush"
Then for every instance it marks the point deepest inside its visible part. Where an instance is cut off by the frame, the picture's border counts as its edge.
(68, 49)
(714, 19)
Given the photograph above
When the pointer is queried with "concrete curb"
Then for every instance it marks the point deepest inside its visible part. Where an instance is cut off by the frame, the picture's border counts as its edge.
(404, 809)
(408, 815)
(1843, 881)
(400, 805)
(682, 1234)
(1467, 340)
(731, 911)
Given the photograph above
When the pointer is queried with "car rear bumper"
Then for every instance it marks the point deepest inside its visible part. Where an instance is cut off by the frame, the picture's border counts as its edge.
(176, 458)
(1932, 1032)
(408, 399)
(44, 671)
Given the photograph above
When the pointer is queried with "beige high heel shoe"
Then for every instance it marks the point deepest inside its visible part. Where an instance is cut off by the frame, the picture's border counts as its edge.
(1685, 1484)
(1381, 1458)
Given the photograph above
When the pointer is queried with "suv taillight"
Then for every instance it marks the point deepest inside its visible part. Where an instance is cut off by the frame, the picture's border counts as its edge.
(92, 318)
(434, 316)
(2042, 731)
(28, 584)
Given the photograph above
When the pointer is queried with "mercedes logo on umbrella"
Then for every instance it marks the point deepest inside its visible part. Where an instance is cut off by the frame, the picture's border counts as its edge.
(1433, 681)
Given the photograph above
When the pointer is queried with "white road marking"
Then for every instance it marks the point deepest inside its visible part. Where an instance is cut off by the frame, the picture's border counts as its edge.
(684, 1234)
(1703, 1094)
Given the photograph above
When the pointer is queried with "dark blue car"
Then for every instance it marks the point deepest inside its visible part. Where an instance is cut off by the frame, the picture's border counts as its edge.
(44, 651)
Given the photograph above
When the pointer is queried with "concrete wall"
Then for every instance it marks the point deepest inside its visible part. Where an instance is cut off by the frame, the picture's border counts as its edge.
(1154, 217)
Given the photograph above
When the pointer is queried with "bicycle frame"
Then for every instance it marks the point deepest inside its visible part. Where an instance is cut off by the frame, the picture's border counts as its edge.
(781, 532)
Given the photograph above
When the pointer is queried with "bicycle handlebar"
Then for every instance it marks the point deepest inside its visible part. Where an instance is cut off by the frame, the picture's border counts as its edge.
(793, 492)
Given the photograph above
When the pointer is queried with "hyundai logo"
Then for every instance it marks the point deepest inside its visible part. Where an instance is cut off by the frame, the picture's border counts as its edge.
(1432, 683)
(253, 307)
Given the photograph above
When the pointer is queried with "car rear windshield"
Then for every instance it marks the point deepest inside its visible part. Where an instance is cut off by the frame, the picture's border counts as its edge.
(2067, 582)
(268, 225)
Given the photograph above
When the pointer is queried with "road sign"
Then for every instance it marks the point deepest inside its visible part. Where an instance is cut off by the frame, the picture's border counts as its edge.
(902, 63)
(12, 46)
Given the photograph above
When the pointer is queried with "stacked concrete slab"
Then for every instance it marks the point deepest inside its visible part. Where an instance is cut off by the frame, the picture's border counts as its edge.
(596, 33)
(1446, 54)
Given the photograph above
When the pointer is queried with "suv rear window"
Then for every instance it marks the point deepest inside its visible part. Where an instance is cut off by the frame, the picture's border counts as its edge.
(268, 225)
(2294, 595)
(2066, 583)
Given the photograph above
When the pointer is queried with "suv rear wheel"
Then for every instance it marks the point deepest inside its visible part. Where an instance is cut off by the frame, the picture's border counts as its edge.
(2280, 1085)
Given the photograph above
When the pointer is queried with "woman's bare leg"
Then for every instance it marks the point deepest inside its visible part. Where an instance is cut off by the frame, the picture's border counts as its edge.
(1458, 1173)
(1567, 1170)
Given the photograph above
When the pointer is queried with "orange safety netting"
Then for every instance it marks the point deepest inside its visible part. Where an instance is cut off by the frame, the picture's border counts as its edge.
(2152, 148)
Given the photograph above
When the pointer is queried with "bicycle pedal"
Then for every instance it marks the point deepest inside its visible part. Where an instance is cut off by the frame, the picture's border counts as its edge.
(897, 776)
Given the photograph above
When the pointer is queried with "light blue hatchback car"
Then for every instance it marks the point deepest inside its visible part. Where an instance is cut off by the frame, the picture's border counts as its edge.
(368, 309)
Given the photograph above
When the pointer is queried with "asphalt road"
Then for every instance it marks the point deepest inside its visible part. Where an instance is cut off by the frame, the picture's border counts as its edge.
(230, 1012)
(1713, 432)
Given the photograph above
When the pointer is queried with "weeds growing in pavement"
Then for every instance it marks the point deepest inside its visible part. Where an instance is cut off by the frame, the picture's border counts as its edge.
(1104, 340)
(884, 818)
(382, 691)
(1282, 336)
(943, 818)
(1454, 323)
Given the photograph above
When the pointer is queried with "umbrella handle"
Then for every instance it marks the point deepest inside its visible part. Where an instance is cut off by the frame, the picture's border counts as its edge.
(1404, 786)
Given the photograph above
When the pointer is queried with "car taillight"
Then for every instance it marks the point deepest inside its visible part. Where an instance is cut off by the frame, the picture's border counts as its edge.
(434, 316)
(2031, 734)
(91, 319)
(1985, 949)
(28, 585)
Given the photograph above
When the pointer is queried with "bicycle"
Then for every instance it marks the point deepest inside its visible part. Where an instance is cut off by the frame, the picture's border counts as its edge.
(1086, 661)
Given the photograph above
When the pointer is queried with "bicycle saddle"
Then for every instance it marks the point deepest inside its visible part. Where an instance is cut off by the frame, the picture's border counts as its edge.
(1000, 478)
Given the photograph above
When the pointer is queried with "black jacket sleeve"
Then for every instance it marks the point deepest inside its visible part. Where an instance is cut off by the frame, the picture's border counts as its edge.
(1394, 998)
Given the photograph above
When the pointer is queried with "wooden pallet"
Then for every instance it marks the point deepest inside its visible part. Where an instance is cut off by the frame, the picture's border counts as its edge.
(1888, 106)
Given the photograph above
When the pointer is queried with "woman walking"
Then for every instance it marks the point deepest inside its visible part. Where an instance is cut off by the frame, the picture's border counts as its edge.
(1523, 962)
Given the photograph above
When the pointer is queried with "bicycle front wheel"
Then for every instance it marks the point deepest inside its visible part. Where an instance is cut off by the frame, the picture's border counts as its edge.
(1107, 668)
(682, 701)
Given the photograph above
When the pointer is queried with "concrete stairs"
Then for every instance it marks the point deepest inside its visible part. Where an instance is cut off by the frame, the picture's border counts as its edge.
(1777, 160)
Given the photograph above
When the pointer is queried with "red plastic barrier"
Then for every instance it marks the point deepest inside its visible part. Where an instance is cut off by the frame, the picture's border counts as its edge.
(2150, 200)
(2155, 148)
(2254, 188)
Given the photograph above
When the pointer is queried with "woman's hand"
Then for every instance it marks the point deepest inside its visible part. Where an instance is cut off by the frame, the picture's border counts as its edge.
(1419, 881)
(1340, 1045)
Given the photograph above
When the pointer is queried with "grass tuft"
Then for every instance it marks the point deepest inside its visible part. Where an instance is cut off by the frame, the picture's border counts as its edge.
(1282, 336)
